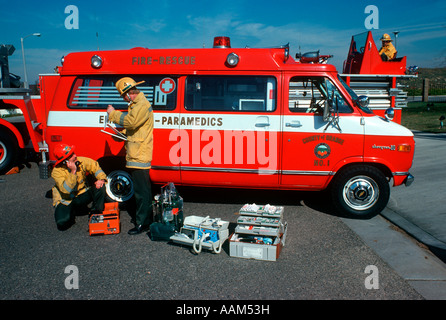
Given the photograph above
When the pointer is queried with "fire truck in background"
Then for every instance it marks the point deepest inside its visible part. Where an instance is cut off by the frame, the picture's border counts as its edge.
(367, 74)
(20, 135)
(224, 117)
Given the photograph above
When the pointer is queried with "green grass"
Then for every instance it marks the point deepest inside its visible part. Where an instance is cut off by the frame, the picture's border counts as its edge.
(424, 116)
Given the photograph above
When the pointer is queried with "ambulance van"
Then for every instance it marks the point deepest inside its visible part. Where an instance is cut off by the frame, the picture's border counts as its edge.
(233, 117)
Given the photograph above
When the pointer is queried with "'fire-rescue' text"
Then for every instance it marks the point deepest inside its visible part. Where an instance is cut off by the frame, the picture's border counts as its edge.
(163, 60)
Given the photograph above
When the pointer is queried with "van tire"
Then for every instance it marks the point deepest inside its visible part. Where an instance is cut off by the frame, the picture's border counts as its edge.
(9, 151)
(360, 192)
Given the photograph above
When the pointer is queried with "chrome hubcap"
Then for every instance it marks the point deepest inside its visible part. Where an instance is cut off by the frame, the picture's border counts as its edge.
(361, 193)
(3, 152)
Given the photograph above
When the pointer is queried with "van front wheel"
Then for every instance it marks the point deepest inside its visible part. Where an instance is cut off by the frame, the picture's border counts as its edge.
(360, 192)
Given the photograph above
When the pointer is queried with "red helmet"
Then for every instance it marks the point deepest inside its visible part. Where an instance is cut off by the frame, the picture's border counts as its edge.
(63, 152)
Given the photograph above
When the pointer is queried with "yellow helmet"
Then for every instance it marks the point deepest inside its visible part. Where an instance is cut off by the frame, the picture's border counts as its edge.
(386, 37)
(125, 84)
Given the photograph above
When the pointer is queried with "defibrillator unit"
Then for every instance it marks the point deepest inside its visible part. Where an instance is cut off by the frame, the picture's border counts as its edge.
(106, 222)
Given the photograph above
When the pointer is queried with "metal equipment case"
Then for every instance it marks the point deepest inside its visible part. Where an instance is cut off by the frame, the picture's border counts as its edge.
(260, 233)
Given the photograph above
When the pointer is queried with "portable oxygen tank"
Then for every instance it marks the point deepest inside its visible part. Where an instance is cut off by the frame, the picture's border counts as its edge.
(169, 206)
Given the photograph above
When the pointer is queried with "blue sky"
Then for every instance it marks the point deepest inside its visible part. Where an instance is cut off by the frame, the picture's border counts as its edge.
(306, 25)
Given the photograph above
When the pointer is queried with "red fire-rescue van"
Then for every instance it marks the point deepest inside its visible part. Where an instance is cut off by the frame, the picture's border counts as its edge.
(228, 117)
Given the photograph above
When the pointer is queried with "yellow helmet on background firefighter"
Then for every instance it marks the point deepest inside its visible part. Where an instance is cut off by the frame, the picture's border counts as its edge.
(63, 152)
(125, 84)
(386, 37)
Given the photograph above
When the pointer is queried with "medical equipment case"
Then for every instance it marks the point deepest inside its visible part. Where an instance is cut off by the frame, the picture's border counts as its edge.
(202, 232)
(260, 233)
(106, 222)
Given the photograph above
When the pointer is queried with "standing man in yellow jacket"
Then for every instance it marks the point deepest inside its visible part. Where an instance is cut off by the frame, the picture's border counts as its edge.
(138, 127)
(71, 189)
(387, 51)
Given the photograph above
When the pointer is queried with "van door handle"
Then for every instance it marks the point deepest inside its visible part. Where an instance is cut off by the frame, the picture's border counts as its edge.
(293, 124)
(262, 124)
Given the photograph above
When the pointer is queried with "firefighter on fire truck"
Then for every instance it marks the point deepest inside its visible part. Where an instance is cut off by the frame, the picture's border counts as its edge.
(138, 128)
(387, 51)
(71, 190)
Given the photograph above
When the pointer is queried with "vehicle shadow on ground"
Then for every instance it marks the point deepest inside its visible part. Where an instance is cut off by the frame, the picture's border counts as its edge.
(316, 200)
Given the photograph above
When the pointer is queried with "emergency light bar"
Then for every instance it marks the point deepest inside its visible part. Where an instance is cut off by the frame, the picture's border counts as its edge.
(222, 42)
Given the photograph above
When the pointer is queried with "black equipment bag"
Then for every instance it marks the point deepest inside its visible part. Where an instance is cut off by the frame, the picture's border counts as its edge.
(161, 231)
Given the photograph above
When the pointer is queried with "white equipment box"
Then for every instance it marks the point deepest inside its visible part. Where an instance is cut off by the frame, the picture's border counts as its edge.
(202, 232)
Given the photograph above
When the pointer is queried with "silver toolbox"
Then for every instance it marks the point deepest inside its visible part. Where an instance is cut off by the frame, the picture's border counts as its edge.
(240, 246)
(260, 233)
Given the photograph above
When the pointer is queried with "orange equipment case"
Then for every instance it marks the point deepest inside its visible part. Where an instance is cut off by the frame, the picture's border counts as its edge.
(106, 222)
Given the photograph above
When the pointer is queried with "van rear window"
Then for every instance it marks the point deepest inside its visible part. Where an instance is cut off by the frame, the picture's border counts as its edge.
(231, 93)
(97, 92)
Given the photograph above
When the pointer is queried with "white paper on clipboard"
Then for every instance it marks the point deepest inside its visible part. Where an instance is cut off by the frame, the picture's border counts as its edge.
(116, 134)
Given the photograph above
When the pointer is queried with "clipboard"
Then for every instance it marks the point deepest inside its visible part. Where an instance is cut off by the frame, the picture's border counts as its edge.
(116, 133)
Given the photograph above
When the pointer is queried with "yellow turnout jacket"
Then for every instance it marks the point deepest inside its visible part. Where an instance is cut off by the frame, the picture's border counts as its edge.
(389, 50)
(138, 127)
(68, 186)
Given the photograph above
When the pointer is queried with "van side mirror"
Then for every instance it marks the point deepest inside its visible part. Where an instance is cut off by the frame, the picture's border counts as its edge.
(331, 106)
(363, 101)
(390, 114)
(326, 114)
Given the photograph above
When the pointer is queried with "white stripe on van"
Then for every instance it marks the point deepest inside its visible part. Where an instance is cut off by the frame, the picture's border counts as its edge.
(256, 122)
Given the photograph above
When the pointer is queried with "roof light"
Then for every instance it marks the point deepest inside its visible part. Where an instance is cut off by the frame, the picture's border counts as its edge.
(222, 42)
(286, 52)
(96, 61)
(232, 59)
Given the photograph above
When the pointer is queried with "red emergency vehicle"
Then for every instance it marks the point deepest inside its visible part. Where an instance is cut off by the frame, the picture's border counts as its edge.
(227, 117)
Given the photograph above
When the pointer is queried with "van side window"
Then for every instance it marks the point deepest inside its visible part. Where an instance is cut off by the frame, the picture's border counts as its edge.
(309, 95)
(97, 92)
(231, 93)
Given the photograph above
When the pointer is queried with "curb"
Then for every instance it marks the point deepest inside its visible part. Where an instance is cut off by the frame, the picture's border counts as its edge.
(436, 246)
